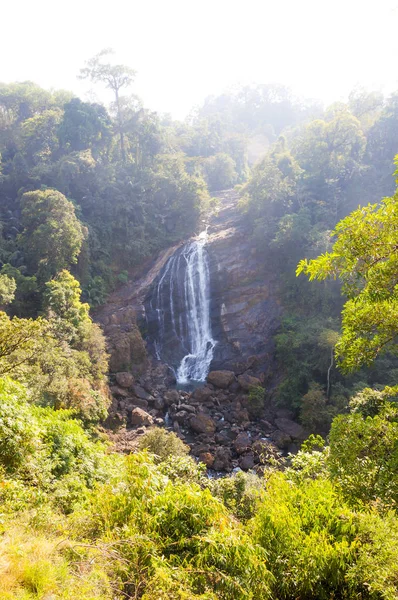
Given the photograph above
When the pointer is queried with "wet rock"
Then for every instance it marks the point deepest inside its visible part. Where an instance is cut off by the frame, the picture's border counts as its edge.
(222, 459)
(140, 417)
(221, 379)
(202, 423)
(242, 443)
(246, 461)
(294, 430)
(207, 458)
(247, 381)
(281, 439)
(124, 379)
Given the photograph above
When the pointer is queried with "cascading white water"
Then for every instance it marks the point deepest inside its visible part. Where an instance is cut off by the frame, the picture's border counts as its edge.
(183, 295)
(195, 365)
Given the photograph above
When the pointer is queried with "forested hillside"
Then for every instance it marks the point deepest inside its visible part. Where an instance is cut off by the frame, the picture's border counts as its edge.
(89, 195)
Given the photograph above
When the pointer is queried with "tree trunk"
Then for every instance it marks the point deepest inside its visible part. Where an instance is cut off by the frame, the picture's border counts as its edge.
(329, 369)
(120, 122)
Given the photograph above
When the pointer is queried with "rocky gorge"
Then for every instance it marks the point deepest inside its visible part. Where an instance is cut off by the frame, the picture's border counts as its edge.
(228, 419)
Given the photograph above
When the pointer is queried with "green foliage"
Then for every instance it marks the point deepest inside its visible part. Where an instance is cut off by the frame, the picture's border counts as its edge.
(364, 455)
(318, 548)
(7, 289)
(364, 258)
(43, 447)
(62, 301)
(240, 493)
(52, 235)
(256, 401)
(62, 359)
(220, 172)
(163, 444)
(203, 552)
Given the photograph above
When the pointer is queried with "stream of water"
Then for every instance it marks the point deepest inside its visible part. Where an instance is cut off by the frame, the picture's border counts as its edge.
(183, 292)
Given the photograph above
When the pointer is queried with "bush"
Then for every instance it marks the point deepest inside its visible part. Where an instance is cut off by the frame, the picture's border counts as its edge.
(163, 444)
(256, 401)
(319, 549)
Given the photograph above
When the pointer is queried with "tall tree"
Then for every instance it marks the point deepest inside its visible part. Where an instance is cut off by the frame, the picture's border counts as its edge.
(53, 235)
(365, 258)
(115, 77)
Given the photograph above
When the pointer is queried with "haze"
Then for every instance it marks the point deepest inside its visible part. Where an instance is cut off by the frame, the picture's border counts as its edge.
(184, 51)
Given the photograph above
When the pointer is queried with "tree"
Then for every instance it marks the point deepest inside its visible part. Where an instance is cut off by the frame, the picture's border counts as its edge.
(115, 77)
(363, 457)
(220, 171)
(20, 341)
(365, 257)
(52, 235)
(84, 126)
(62, 301)
(7, 289)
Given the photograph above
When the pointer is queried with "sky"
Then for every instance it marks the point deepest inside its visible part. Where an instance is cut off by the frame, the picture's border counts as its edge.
(186, 50)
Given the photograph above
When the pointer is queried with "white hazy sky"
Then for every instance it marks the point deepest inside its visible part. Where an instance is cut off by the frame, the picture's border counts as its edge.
(184, 50)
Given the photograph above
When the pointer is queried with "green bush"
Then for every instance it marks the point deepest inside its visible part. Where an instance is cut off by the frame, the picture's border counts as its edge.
(256, 401)
(163, 444)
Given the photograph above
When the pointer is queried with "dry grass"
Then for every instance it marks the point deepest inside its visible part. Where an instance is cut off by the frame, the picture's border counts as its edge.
(34, 566)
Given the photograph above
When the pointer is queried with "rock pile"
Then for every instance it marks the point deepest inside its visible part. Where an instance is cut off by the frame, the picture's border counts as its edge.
(218, 421)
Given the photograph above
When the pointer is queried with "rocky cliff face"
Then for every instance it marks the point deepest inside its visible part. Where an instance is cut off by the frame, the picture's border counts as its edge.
(245, 307)
(244, 313)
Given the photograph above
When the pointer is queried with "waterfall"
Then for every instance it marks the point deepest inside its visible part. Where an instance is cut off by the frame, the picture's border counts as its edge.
(180, 306)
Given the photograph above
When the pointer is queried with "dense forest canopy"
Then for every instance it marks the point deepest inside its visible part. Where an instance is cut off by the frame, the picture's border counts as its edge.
(88, 193)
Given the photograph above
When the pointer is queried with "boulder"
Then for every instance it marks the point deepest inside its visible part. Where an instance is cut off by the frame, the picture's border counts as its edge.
(118, 391)
(246, 461)
(127, 350)
(207, 458)
(223, 437)
(140, 392)
(202, 394)
(159, 403)
(242, 443)
(222, 459)
(134, 402)
(221, 379)
(124, 379)
(140, 417)
(281, 439)
(187, 407)
(202, 423)
(181, 416)
(171, 397)
(247, 381)
(294, 430)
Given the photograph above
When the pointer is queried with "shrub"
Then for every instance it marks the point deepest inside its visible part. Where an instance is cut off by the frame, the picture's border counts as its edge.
(256, 401)
(163, 444)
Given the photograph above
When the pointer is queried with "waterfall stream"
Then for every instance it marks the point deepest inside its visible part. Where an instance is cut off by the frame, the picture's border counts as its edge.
(180, 304)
